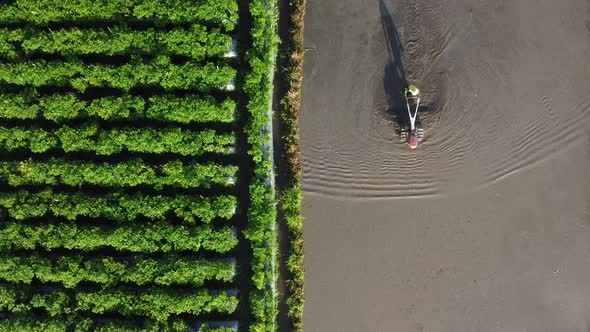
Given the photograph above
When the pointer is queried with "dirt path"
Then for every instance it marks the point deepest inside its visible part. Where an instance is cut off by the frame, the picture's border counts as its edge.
(486, 227)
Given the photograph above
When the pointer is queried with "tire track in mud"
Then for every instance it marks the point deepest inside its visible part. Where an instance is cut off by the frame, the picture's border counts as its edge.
(427, 39)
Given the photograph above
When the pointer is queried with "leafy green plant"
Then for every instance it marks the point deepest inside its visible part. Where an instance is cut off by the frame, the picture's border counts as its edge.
(291, 206)
(141, 270)
(24, 204)
(195, 42)
(174, 11)
(91, 138)
(27, 323)
(207, 328)
(142, 238)
(156, 303)
(81, 76)
(130, 173)
(28, 104)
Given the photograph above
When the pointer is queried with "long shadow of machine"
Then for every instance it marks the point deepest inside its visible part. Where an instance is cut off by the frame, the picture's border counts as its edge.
(394, 79)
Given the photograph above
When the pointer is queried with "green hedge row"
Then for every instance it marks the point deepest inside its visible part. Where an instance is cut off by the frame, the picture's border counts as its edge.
(175, 11)
(291, 196)
(89, 137)
(141, 238)
(28, 104)
(28, 323)
(128, 173)
(20, 322)
(207, 328)
(24, 204)
(140, 270)
(80, 76)
(155, 303)
(261, 231)
(195, 42)
(291, 205)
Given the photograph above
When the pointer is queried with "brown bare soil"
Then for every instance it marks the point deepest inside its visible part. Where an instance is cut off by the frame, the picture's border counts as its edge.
(486, 226)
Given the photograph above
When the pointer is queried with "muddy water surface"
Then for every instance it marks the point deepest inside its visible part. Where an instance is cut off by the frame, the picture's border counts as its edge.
(486, 226)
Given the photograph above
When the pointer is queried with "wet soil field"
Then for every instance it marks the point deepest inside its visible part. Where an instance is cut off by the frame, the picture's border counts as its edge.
(486, 226)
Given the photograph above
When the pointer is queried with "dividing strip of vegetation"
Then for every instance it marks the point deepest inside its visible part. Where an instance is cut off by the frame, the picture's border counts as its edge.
(291, 196)
(261, 230)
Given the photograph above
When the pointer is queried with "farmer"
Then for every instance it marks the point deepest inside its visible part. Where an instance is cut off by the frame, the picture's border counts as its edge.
(413, 90)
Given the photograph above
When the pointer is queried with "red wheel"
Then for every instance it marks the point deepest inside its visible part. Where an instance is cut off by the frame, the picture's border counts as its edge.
(413, 141)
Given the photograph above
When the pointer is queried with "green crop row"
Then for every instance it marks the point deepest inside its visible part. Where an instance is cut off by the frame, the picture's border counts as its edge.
(24, 204)
(25, 322)
(29, 104)
(142, 238)
(261, 231)
(28, 323)
(150, 325)
(207, 328)
(173, 325)
(81, 76)
(195, 42)
(155, 303)
(174, 11)
(89, 137)
(140, 270)
(128, 173)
